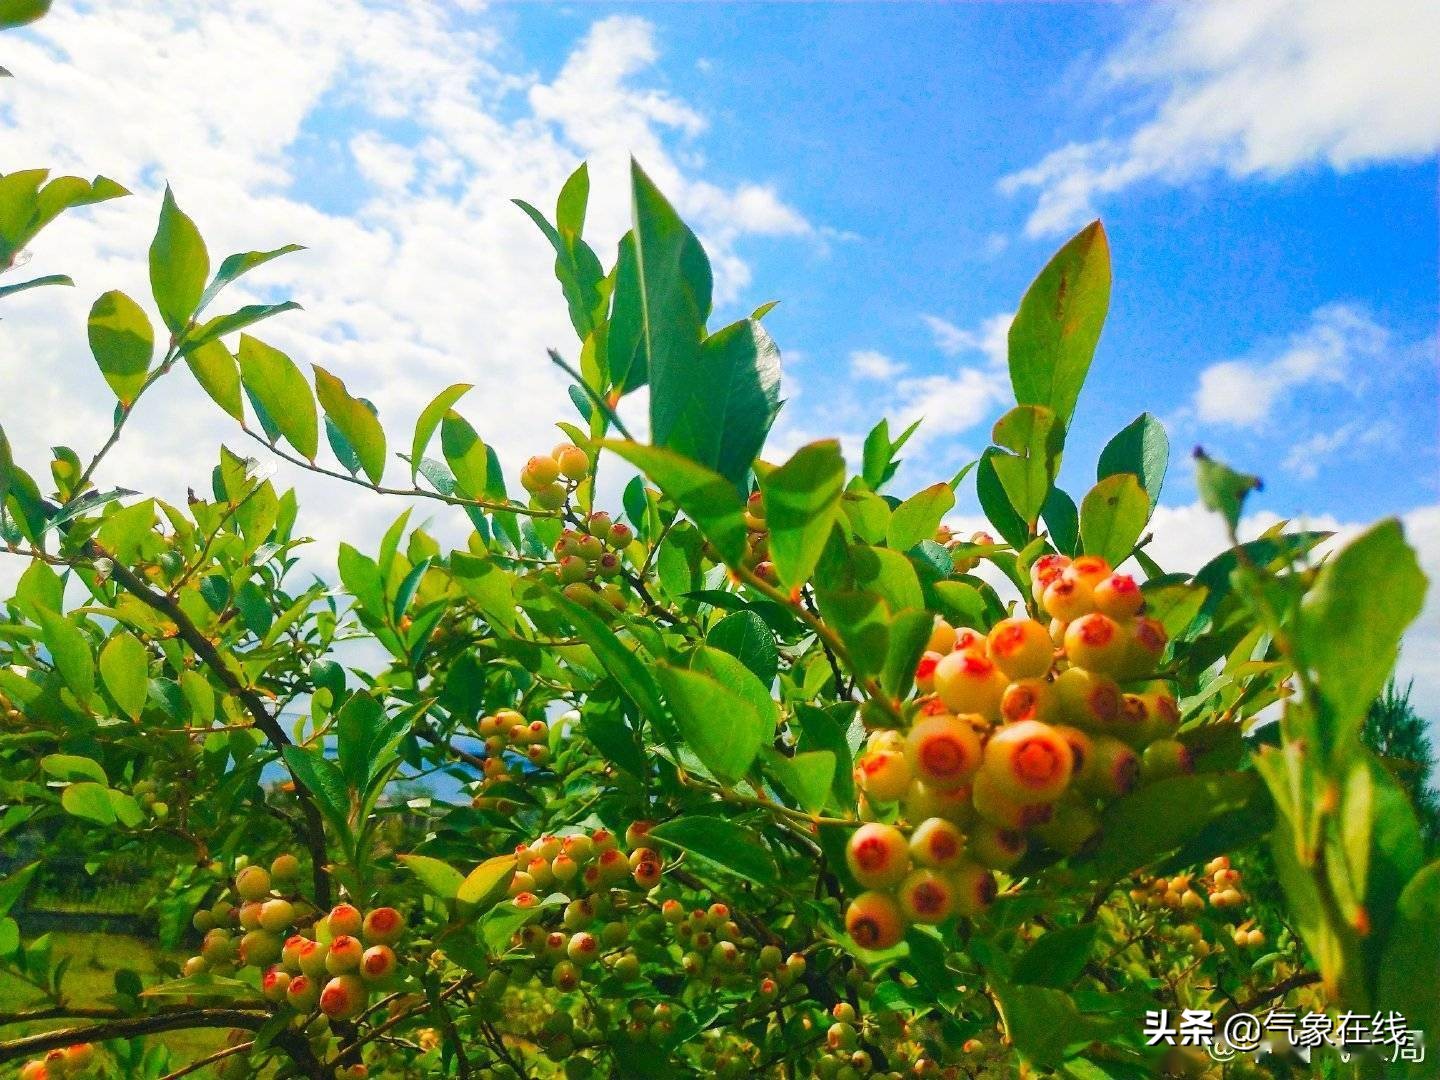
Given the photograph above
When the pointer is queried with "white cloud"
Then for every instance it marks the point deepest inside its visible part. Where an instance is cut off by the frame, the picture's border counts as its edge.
(1254, 88)
(1245, 391)
(386, 136)
(871, 364)
(1309, 456)
(990, 338)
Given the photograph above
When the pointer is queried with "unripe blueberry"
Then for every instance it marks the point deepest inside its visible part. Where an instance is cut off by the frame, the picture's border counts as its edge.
(1080, 746)
(196, 965)
(926, 897)
(1045, 570)
(274, 984)
(767, 573)
(249, 916)
(647, 873)
(1096, 642)
(564, 868)
(925, 672)
(573, 569)
(259, 948)
(252, 883)
(277, 915)
(874, 920)
(549, 497)
(1088, 700)
(877, 855)
(1028, 761)
(578, 914)
(290, 952)
(937, 842)
(36, 1070)
(970, 683)
(968, 640)
(1021, 648)
(565, 976)
(218, 947)
(627, 967)
(540, 471)
(312, 958)
(383, 926)
(345, 919)
(344, 955)
(285, 870)
(608, 565)
(942, 637)
(613, 934)
(1133, 722)
(1066, 598)
(344, 997)
(203, 921)
(923, 801)
(998, 807)
(975, 889)
(1164, 758)
(378, 964)
(1030, 699)
(590, 548)
(637, 834)
(620, 535)
(995, 846)
(573, 462)
(1147, 640)
(583, 948)
(1118, 596)
(944, 751)
(770, 958)
(1091, 569)
(883, 774)
(79, 1057)
(613, 865)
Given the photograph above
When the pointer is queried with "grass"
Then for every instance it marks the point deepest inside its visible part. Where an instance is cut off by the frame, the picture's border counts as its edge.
(90, 979)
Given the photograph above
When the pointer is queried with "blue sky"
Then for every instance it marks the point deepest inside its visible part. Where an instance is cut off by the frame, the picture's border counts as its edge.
(895, 174)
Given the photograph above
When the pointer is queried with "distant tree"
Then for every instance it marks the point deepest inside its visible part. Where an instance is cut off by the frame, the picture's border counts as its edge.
(1396, 732)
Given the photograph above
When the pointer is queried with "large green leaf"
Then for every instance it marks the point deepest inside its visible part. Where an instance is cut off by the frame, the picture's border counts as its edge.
(323, 779)
(918, 517)
(707, 498)
(576, 267)
(1026, 466)
(429, 420)
(1058, 957)
(358, 730)
(802, 505)
(241, 262)
(73, 767)
(632, 676)
(465, 454)
(278, 387)
(745, 636)
(723, 843)
(1352, 619)
(356, 422)
(1407, 981)
(1221, 488)
(122, 342)
(19, 12)
(1142, 448)
(807, 776)
(719, 722)
(69, 651)
(490, 585)
(439, 878)
(215, 369)
(1112, 517)
(125, 670)
(1057, 326)
(179, 265)
(996, 503)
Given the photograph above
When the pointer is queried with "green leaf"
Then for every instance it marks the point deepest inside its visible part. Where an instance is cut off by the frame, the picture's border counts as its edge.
(429, 420)
(1062, 518)
(1027, 473)
(996, 504)
(277, 386)
(718, 722)
(241, 263)
(179, 265)
(408, 587)
(125, 531)
(14, 886)
(807, 777)
(1221, 488)
(576, 266)
(745, 636)
(488, 584)
(733, 399)
(802, 506)
(707, 498)
(1141, 448)
(1044, 1024)
(357, 728)
(723, 843)
(440, 878)
(918, 517)
(90, 801)
(1112, 517)
(628, 367)
(1057, 326)
(19, 12)
(1352, 620)
(35, 283)
(73, 767)
(465, 454)
(125, 670)
(1058, 957)
(633, 677)
(70, 652)
(215, 369)
(324, 781)
(356, 422)
(1412, 955)
(122, 343)
(239, 319)
(484, 886)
